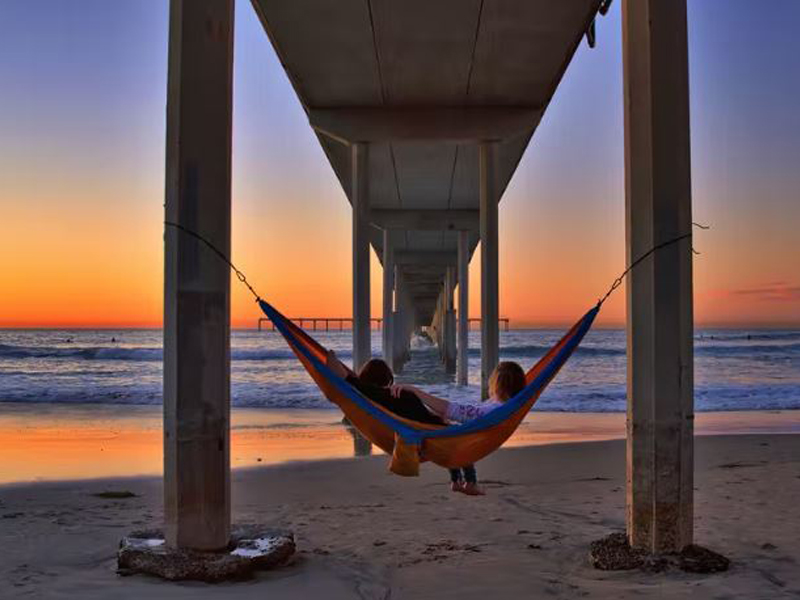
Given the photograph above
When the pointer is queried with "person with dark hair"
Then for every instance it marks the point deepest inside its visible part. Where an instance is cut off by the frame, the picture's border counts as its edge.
(376, 372)
(506, 381)
(374, 381)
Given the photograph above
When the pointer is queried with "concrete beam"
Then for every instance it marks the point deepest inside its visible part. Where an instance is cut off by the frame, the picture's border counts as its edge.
(490, 312)
(659, 291)
(425, 258)
(362, 345)
(425, 278)
(197, 509)
(424, 273)
(427, 220)
(449, 322)
(403, 323)
(425, 292)
(462, 374)
(442, 124)
(388, 295)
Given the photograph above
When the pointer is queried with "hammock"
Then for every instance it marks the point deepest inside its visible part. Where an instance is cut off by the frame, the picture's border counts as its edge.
(410, 442)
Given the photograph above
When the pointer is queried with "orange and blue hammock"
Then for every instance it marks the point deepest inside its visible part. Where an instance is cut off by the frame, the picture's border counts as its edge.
(410, 442)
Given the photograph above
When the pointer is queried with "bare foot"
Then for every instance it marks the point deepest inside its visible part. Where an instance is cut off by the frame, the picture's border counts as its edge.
(472, 489)
(457, 486)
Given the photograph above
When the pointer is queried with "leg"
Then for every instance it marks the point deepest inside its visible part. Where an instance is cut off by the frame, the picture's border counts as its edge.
(470, 474)
(456, 480)
(471, 487)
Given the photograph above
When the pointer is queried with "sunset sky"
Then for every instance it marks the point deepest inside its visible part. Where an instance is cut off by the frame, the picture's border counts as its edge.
(82, 117)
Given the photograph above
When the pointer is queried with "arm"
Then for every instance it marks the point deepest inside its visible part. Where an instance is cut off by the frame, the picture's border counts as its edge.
(335, 365)
(437, 405)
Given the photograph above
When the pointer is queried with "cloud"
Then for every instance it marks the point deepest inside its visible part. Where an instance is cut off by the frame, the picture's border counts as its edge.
(779, 291)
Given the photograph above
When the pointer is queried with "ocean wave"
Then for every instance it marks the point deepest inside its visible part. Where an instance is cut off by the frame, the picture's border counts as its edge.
(747, 349)
(564, 398)
(726, 336)
(700, 349)
(721, 347)
(85, 353)
(132, 354)
(540, 350)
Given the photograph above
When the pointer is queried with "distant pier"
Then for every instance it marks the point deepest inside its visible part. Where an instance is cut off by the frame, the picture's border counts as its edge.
(338, 323)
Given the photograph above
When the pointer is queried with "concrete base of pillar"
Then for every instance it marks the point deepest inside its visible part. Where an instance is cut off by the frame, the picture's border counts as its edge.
(614, 553)
(252, 549)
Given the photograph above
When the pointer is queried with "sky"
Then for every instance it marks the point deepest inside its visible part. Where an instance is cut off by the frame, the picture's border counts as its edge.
(82, 119)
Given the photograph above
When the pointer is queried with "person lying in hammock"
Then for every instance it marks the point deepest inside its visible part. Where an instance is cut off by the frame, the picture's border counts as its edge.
(505, 382)
(374, 380)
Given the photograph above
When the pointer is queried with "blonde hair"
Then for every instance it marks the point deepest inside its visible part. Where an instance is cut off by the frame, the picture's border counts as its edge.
(506, 381)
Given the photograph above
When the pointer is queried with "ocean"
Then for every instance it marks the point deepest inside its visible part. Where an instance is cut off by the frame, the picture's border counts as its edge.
(734, 369)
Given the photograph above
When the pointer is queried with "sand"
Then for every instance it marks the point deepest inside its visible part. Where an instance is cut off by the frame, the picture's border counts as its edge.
(363, 533)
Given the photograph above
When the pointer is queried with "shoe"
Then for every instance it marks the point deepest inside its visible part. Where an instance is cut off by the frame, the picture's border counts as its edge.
(472, 489)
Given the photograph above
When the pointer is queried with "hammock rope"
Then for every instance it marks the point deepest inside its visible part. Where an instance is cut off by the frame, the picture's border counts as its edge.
(239, 275)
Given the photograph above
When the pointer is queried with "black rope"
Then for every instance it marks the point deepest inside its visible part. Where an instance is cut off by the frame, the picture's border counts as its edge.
(618, 281)
(239, 275)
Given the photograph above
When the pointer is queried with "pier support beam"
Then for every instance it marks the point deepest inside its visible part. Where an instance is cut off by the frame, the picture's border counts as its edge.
(463, 308)
(449, 321)
(362, 351)
(399, 318)
(400, 331)
(197, 507)
(437, 325)
(490, 313)
(659, 291)
(388, 295)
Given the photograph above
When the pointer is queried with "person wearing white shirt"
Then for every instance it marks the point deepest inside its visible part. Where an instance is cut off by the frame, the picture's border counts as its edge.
(506, 381)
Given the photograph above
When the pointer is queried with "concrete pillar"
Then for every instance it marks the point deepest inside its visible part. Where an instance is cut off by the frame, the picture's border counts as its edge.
(659, 290)
(438, 322)
(196, 282)
(400, 320)
(449, 322)
(362, 351)
(490, 333)
(388, 295)
(463, 308)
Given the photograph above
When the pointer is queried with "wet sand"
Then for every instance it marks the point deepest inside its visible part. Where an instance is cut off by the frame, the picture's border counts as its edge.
(364, 533)
(56, 441)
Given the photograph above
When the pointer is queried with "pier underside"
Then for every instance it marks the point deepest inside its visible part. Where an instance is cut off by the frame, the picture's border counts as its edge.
(423, 85)
(424, 110)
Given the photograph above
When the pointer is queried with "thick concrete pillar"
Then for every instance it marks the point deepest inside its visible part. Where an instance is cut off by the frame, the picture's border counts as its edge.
(463, 308)
(388, 296)
(490, 313)
(659, 290)
(196, 282)
(362, 350)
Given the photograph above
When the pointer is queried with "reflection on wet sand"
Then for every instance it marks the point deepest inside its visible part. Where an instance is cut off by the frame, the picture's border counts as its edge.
(49, 441)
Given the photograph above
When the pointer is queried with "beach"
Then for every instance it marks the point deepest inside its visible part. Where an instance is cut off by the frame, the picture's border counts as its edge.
(364, 533)
(84, 417)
